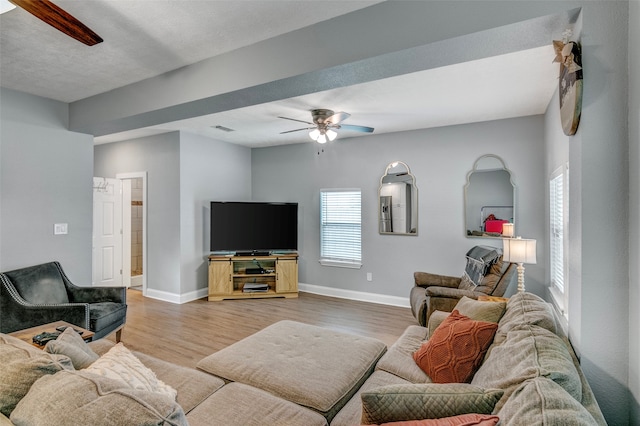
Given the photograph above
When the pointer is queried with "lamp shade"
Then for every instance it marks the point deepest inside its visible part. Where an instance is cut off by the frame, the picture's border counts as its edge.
(507, 230)
(519, 250)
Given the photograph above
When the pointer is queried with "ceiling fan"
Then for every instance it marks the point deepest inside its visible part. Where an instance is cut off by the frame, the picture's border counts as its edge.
(59, 19)
(325, 123)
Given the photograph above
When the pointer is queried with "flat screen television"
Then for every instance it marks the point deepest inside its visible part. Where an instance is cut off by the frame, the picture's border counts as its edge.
(238, 226)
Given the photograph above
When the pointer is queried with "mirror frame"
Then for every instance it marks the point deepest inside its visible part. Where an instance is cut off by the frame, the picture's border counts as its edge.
(466, 189)
(414, 199)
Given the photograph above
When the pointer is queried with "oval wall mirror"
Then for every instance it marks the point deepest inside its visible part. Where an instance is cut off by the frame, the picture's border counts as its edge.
(398, 201)
(489, 198)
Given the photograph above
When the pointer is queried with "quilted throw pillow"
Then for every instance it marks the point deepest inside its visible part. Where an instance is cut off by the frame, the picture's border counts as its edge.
(455, 351)
(120, 364)
(479, 261)
(426, 401)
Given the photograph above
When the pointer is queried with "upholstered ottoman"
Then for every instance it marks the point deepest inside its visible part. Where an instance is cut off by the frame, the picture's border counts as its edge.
(237, 404)
(311, 366)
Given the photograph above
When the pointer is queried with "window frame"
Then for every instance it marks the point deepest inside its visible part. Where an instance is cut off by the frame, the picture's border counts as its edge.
(559, 293)
(352, 256)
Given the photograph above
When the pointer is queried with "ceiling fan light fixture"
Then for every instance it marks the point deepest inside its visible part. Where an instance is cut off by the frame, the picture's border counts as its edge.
(331, 135)
(314, 134)
(322, 138)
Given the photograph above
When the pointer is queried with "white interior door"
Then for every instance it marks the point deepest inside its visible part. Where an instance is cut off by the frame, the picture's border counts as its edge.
(107, 232)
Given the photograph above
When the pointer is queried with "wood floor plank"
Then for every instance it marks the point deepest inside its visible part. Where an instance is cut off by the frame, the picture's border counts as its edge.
(186, 333)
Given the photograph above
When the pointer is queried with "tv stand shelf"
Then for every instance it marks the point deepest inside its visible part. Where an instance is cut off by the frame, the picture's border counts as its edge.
(273, 275)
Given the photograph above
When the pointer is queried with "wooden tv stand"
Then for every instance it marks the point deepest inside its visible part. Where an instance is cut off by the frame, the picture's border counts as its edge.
(229, 274)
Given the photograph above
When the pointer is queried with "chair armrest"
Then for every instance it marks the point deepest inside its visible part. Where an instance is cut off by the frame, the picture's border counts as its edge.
(97, 294)
(451, 293)
(425, 279)
(18, 314)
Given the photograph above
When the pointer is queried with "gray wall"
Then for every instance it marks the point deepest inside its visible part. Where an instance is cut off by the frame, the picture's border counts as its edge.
(634, 212)
(184, 172)
(440, 160)
(45, 178)
(159, 156)
(209, 170)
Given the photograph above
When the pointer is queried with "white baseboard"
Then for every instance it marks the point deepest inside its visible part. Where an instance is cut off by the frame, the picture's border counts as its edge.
(136, 280)
(177, 298)
(361, 296)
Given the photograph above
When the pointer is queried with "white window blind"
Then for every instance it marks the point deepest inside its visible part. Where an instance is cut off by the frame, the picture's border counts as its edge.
(556, 203)
(340, 227)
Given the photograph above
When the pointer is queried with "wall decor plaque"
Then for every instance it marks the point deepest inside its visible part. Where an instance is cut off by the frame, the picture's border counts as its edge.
(570, 84)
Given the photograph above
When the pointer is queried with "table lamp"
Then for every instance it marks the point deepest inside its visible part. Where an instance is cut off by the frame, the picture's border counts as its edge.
(507, 230)
(519, 250)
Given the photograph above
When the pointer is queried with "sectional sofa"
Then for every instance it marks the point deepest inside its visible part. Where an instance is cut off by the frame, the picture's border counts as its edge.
(284, 375)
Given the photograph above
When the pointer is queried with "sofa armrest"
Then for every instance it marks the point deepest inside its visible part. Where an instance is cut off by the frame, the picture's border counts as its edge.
(97, 294)
(426, 279)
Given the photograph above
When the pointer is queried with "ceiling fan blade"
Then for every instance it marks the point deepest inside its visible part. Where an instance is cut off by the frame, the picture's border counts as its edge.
(300, 121)
(355, 128)
(60, 20)
(337, 118)
(297, 130)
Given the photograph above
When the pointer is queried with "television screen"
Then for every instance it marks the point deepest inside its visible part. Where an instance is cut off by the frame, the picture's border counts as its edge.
(254, 226)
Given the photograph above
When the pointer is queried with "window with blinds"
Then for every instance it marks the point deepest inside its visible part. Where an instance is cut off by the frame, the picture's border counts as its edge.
(558, 204)
(340, 227)
(556, 222)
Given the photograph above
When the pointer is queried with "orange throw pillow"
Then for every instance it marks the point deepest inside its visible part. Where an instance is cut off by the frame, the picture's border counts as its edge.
(456, 349)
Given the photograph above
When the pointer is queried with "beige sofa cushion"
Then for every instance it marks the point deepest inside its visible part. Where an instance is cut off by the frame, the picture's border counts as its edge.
(351, 414)
(481, 311)
(312, 366)
(89, 399)
(541, 401)
(237, 404)
(425, 401)
(528, 352)
(526, 308)
(398, 359)
(20, 366)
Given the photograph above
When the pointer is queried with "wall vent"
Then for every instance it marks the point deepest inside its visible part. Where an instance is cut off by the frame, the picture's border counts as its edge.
(224, 129)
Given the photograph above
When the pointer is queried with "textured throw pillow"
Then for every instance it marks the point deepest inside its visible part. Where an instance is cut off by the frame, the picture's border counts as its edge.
(425, 401)
(120, 364)
(20, 366)
(461, 420)
(71, 344)
(456, 349)
(481, 311)
(83, 398)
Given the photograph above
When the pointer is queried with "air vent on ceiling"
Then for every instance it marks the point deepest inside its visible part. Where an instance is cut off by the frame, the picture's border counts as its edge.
(224, 129)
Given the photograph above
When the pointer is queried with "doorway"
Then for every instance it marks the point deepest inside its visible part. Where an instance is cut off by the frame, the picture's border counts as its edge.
(134, 230)
(120, 231)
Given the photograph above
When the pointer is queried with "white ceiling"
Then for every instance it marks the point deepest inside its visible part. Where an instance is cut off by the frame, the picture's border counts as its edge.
(146, 38)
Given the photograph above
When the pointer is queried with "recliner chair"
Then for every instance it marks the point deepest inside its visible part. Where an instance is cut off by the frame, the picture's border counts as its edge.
(41, 294)
(485, 274)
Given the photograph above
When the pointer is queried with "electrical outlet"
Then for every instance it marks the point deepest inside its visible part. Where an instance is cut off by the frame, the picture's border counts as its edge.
(369, 276)
(60, 228)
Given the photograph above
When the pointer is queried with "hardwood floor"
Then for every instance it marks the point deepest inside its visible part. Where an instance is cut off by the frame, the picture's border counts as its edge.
(184, 334)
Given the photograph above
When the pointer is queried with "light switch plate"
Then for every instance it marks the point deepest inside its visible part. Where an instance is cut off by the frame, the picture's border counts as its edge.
(60, 228)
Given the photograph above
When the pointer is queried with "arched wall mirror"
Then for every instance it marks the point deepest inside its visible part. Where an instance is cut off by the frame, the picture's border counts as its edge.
(398, 201)
(489, 198)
